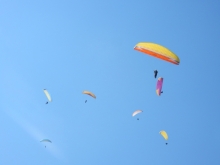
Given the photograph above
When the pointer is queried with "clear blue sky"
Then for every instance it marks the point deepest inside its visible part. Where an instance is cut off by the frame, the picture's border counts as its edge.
(71, 46)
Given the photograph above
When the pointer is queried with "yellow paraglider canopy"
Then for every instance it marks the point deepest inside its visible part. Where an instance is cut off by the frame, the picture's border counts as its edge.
(157, 51)
(164, 134)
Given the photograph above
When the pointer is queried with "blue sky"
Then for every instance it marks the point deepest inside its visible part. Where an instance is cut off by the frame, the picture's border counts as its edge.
(67, 47)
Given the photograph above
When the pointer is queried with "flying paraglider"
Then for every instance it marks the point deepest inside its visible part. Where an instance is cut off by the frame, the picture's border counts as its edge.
(157, 51)
(89, 93)
(159, 86)
(155, 73)
(48, 96)
(136, 112)
(164, 134)
(46, 140)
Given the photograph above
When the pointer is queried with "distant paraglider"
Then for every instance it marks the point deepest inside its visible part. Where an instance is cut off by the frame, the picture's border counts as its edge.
(157, 51)
(46, 140)
(90, 94)
(136, 112)
(159, 86)
(48, 96)
(164, 134)
(155, 73)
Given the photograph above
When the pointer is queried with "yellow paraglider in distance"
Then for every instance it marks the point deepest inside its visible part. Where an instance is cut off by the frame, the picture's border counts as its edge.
(89, 93)
(164, 134)
(157, 51)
